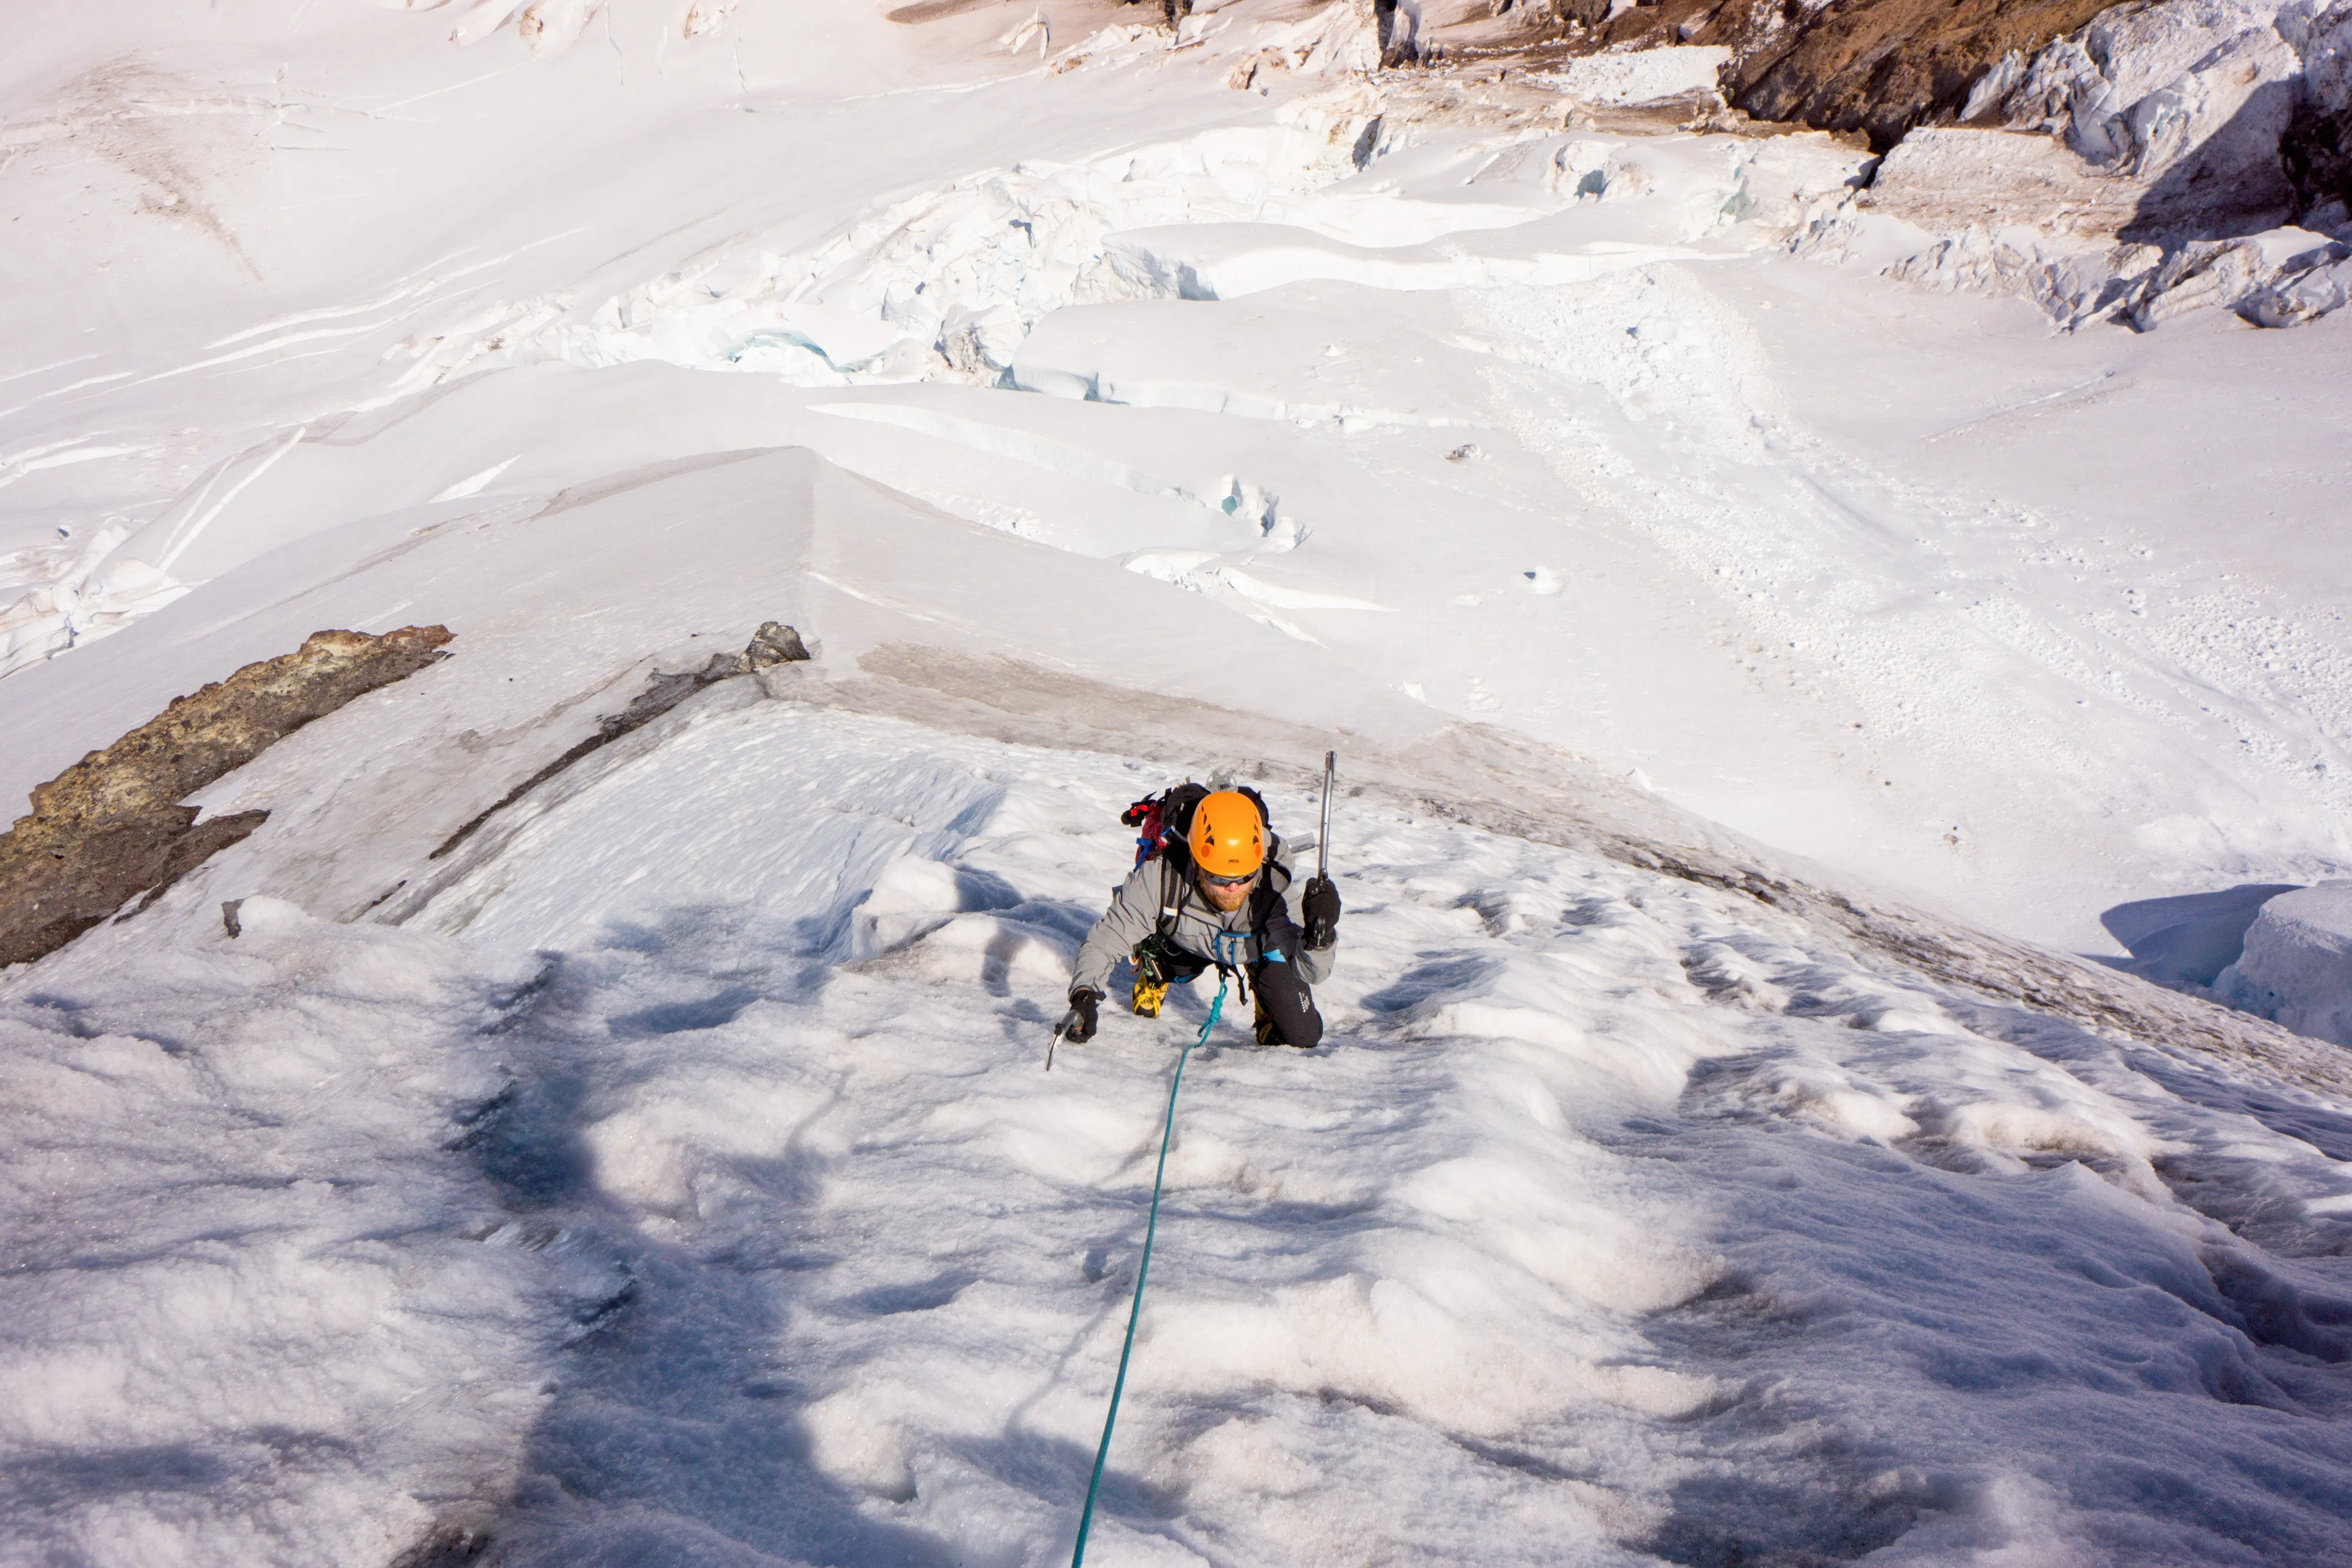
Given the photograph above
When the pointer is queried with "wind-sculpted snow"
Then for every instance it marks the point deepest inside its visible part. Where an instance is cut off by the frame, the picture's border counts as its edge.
(733, 1214)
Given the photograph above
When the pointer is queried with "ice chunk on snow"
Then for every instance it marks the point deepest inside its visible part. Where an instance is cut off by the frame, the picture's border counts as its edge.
(2298, 966)
(2230, 273)
(1960, 208)
(2141, 88)
(2292, 300)
(1649, 75)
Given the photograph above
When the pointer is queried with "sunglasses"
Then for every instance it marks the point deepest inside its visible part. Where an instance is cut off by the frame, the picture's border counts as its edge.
(1229, 881)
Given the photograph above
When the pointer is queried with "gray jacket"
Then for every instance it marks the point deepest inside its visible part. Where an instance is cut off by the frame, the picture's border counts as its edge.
(1157, 885)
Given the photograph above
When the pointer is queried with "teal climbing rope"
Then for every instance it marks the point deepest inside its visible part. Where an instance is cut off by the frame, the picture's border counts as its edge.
(1118, 1386)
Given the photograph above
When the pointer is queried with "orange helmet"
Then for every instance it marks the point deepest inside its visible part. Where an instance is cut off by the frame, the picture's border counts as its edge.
(1228, 836)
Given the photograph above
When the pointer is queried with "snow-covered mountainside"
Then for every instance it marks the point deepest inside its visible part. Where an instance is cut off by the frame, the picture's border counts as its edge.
(590, 1109)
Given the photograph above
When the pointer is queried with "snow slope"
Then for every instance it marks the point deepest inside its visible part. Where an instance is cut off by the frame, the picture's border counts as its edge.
(660, 1168)
(1625, 1220)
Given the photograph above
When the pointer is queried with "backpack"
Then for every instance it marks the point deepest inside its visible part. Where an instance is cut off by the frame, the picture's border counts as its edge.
(1163, 822)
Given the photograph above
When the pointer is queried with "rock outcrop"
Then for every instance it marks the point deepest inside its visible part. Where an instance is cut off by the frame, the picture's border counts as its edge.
(1881, 67)
(1874, 66)
(2164, 158)
(113, 826)
(2215, 119)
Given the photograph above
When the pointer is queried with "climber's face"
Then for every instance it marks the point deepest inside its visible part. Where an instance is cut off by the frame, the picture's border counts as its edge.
(1226, 893)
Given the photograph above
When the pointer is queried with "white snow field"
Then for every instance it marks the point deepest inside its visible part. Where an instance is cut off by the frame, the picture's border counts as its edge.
(1737, 660)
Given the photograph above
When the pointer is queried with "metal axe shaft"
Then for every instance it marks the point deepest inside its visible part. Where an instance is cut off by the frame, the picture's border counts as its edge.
(1323, 839)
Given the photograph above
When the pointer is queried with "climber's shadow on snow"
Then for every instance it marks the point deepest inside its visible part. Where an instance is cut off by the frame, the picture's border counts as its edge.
(40, 1483)
(1053, 924)
(673, 1430)
(983, 890)
(680, 1017)
(1439, 975)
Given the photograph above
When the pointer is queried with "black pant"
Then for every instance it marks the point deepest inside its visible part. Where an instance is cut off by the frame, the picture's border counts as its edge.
(1284, 1000)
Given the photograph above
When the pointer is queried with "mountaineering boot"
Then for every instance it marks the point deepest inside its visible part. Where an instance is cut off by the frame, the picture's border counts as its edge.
(1267, 1031)
(1149, 994)
(1158, 966)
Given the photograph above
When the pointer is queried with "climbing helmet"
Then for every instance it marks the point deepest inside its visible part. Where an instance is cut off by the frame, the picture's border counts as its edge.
(1228, 836)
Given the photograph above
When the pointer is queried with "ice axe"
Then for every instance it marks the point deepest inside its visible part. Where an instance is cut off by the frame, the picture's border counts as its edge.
(1319, 933)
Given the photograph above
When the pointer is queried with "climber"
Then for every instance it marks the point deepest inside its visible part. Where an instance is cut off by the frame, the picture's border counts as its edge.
(1213, 897)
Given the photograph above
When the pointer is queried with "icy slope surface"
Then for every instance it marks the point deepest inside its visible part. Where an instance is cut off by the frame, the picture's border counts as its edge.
(1619, 1209)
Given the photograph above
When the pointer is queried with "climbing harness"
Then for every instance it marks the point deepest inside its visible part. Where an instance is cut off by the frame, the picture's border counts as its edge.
(1159, 963)
(1143, 1269)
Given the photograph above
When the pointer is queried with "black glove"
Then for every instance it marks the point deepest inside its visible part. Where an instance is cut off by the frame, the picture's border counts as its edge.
(1077, 1025)
(1320, 904)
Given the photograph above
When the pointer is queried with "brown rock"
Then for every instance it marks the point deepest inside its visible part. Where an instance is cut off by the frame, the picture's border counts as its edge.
(1882, 66)
(111, 826)
(1875, 67)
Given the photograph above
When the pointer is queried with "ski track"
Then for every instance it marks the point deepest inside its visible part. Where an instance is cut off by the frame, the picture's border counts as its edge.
(707, 1201)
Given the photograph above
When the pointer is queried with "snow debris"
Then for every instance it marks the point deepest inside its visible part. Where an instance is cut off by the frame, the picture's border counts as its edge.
(1643, 77)
(949, 285)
